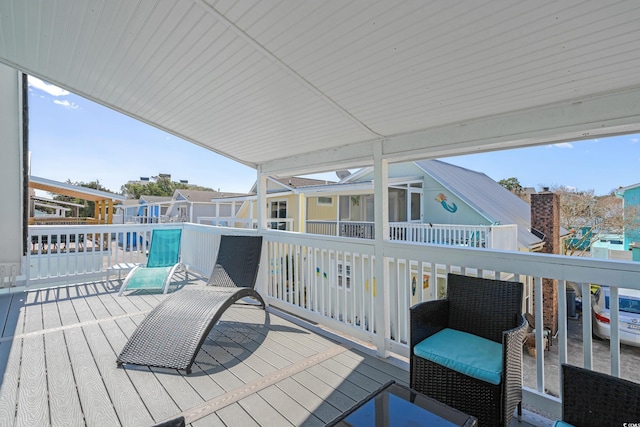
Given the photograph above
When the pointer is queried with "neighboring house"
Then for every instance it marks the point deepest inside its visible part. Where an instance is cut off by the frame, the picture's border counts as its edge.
(147, 209)
(631, 210)
(285, 202)
(623, 246)
(429, 201)
(434, 193)
(196, 206)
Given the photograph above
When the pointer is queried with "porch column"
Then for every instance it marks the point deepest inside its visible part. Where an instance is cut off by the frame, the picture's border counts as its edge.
(337, 215)
(381, 216)
(110, 212)
(11, 174)
(302, 214)
(262, 284)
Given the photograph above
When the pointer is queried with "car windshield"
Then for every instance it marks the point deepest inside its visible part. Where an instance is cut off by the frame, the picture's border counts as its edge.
(627, 304)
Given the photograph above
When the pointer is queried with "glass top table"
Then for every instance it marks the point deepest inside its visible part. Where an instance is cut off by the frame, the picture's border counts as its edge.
(396, 405)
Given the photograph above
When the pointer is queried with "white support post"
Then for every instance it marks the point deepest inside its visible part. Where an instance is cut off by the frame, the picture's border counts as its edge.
(381, 206)
(261, 200)
(261, 188)
(302, 214)
(11, 173)
(337, 215)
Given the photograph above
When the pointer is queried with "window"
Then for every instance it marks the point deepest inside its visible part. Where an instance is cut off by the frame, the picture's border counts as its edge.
(325, 201)
(278, 209)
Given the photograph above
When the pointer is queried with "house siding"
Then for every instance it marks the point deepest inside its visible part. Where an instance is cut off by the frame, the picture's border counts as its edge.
(631, 208)
(316, 212)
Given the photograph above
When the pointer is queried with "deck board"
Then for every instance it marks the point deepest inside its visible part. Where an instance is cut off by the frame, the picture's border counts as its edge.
(66, 309)
(94, 398)
(153, 394)
(33, 406)
(335, 397)
(64, 402)
(290, 409)
(259, 409)
(11, 353)
(126, 401)
(313, 403)
(33, 314)
(236, 415)
(50, 312)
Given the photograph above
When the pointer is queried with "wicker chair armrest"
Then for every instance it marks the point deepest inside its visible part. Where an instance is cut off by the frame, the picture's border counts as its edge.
(427, 318)
(512, 365)
(512, 340)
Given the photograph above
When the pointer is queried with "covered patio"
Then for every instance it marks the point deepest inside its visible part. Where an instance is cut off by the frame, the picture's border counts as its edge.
(292, 88)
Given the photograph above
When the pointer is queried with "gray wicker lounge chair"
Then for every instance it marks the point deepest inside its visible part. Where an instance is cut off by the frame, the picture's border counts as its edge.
(173, 332)
(592, 398)
(478, 314)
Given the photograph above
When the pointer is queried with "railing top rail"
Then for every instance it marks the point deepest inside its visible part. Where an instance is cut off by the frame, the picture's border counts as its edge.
(98, 228)
(578, 269)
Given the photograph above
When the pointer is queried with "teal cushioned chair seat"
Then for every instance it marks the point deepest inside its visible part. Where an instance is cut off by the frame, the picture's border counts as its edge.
(560, 423)
(468, 354)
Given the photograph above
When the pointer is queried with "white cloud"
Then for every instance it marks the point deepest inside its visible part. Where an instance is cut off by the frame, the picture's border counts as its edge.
(52, 90)
(563, 145)
(66, 104)
(634, 140)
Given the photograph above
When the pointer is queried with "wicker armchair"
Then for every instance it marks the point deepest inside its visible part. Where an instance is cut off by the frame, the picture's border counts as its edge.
(592, 398)
(490, 309)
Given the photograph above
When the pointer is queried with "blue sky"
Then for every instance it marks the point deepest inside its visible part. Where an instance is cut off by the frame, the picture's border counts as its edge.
(74, 138)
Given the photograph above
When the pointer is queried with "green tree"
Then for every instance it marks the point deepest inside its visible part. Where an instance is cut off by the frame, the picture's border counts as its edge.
(587, 216)
(160, 186)
(512, 184)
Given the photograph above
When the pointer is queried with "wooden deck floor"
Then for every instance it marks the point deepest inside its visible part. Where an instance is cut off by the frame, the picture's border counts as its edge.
(58, 350)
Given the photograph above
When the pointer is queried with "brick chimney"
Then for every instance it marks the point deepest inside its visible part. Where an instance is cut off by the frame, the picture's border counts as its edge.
(545, 222)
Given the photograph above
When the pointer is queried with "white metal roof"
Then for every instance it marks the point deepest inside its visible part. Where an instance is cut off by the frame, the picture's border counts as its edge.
(296, 86)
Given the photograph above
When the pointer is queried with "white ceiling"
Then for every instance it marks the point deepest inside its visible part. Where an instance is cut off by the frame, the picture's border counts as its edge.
(300, 86)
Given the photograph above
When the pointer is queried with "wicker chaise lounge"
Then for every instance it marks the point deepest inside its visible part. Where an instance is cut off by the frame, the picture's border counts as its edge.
(466, 350)
(173, 332)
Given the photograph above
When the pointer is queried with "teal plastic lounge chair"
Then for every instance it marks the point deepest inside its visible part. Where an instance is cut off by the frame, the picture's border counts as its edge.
(163, 261)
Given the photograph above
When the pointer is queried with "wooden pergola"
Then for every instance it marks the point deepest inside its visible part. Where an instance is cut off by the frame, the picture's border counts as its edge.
(104, 201)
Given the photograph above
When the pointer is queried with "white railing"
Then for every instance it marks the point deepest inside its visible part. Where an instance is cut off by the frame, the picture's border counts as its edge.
(285, 224)
(68, 254)
(333, 281)
(325, 228)
(359, 229)
(476, 236)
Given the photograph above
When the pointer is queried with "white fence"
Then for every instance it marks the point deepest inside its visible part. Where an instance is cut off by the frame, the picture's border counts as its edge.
(333, 281)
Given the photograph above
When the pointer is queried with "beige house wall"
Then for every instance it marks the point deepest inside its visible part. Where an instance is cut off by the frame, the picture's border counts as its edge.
(322, 212)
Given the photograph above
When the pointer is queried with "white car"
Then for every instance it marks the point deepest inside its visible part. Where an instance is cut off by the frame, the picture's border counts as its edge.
(629, 324)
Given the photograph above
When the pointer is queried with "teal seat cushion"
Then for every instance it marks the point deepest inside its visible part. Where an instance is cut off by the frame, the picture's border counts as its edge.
(560, 423)
(468, 354)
